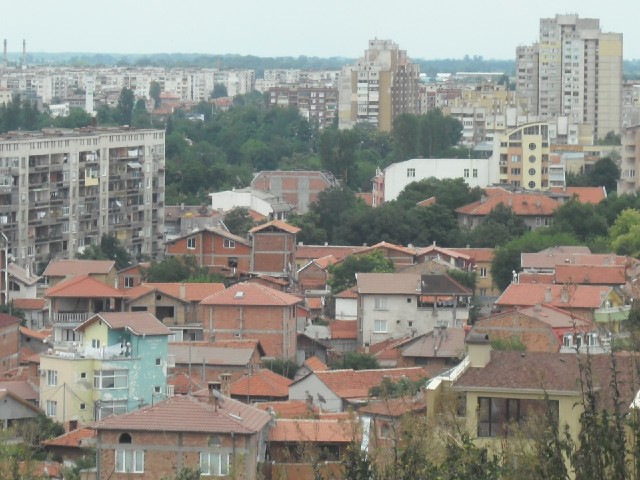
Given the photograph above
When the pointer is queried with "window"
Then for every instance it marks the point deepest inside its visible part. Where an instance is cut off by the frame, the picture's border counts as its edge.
(191, 242)
(129, 461)
(532, 158)
(380, 326)
(104, 379)
(83, 375)
(229, 243)
(52, 408)
(495, 414)
(157, 389)
(515, 158)
(83, 406)
(216, 464)
(380, 303)
(105, 408)
(483, 272)
(128, 282)
(475, 173)
(515, 171)
(411, 172)
(52, 378)
(532, 146)
(95, 343)
(532, 184)
(466, 173)
(158, 362)
(532, 171)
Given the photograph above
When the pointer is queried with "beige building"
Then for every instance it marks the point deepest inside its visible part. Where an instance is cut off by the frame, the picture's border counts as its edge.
(575, 70)
(524, 157)
(630, 160)
(379, 87)
(61, 190)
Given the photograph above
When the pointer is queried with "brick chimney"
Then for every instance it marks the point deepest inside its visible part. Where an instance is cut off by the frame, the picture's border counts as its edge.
(225, 381)
(478, 350)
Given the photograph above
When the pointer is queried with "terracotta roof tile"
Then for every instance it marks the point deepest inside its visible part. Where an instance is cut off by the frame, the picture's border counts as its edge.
(251, 294)
(349, 293)
(193, 292)
(522, 204)
(315, 364)
(311, 252)
(448, 343)
(210, 355)
(6, 320)
(38, 335)
(590, 274)
(529, 294)
(82, 287)
(534, 277)
(356, 383)
(183, 384)
(592, 195)
(29, 303)
(278, 224)
(427, 202)
(476, 254)
(75, 438)
(311, 430)
(289, 408)
(263, 383)
(72, 268)
(139, 323)
(185, 413)
(344, 329)
(21, 388)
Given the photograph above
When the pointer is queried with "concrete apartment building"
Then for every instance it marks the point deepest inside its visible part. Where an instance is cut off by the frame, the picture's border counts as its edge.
(317, 104)
(575, 70)
(523, 156)
(629, 181)
(379, 87)
(61, 190)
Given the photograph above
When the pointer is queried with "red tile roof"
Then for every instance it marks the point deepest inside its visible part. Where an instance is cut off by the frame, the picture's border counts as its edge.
(183, 384)
(584, 194)
(311, 430)
(427, 202)
(476, 254)
(73, 268)
(251, 294)
(534, 277)
(139, 323)
(315, 364)
(590, 274)
(357, 383)
(389, 246)
(395, 407)
(263, 383)
(185, 413)
(83, 287)
(74, 438)
(289, 408)
(193, 292)
(311, 252)
(38, 335)
(528, 294)
(349, 293)
(29, 303)
(344, 329)
(522, 204)
(6, 320)
(279, 224)
(21, 388)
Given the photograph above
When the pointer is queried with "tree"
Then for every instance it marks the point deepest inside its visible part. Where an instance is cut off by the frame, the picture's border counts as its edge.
(605, 173)
(141, 117)
(342, 275)
(285, 367)
(581, 220)
(610, 139)
(625, 233)
(331, 205)
(219, 90)
(239, 221)
(356, 361)
(451, 193)
(337, 150)
(176, 269)
(155, 89)
(125, 105)
(109, 248)
(498, 227)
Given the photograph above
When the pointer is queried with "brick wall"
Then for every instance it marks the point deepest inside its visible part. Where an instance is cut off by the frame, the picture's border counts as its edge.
(537, 336)
(9, 346)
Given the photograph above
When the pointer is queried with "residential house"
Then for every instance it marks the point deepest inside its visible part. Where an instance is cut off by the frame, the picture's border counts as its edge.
(399, 255)
(72, 446)
(546, 260)
(435, 351)
(22, 283)
(131, 276)
(261, 205)
(217, 435)
(9, 342)
(392, 305)
(214, 248)
(177, 305)
(571, 274)
(346, 304)
(103, 271)
(252, 311)
(14, 409)
(273, 248)
(311, 364)
(453, 257)
(336, 390)
(182, 219)
(481, 259)
(540, 328)
(23, 389)
(32, 342)
(314, 275)
(119, 365)
(260, 385)
(344, 336)
(308, 253)
(535, 209)
(73, 301)
(601, 304)
(36, 312)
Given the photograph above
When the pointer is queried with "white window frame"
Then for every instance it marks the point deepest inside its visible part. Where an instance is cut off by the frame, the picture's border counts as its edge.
(380, 303)
(191, 243)
(102, 377)
(226, 243)
(52, 378)
(483, 272)
(380, 326)
(411, 172)
(106, 408)
(129, 461)
(128, 282)
(51, 408)
(215, 460)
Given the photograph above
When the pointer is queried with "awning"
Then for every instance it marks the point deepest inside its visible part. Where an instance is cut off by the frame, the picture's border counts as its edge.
(134, 165)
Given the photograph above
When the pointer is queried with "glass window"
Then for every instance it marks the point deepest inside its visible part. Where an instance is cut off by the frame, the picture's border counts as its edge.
(532, 171)
(191, 242)
(532, 158)
(411, 172)
(52, 408)
(532, 184)
(380, 303)
(229, 243)
(106, 408)
(380, 326)
(52, 378)
(128, 282)
(496, 414)
(105, 379)
(215, 464)
(129, 461)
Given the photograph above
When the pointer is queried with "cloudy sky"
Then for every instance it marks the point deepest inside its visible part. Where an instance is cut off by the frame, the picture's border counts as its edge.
(428, 29)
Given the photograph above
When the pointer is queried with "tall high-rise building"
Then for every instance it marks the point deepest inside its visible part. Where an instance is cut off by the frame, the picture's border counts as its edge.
(379, 87)
(61, 190)
(575, 70)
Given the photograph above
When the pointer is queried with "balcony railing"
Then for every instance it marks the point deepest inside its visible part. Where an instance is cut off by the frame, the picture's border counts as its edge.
(70, 317)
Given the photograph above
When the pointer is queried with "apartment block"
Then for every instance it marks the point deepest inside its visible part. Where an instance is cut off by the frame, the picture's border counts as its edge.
(628, 181)
(317, 104)
(61, 190)
(524, 157)
(379, 87)
(579, 73)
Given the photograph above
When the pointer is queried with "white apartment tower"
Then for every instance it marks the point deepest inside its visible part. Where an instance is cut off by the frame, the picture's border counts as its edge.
(61, 190)
(579, 73)
(379, 87)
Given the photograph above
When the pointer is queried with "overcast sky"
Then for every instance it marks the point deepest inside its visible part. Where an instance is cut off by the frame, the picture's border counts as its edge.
(428, 29)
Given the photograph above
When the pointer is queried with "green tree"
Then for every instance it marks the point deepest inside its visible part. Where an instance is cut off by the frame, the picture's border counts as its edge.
(219, 90)
(605, 173)
(625, 233)
(77, 118)
(449, 192)
(356, 361)
(337, 150)
(109, 248)
(174, 269)
(155, 89)
(610, 138)
(239, 221)
(285, 367)
(343, 275)
(331, 205)
(500, 226)
(581, 220)
(310, 231)
(141, 117)
(125, 106)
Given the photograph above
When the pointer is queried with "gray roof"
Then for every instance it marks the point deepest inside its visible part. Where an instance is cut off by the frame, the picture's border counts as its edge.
(210, 355)
(408, 284)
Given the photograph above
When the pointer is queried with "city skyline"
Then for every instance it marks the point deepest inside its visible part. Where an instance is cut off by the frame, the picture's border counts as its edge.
(426, 30)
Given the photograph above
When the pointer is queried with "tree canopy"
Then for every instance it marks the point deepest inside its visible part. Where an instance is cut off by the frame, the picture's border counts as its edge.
(343, 275)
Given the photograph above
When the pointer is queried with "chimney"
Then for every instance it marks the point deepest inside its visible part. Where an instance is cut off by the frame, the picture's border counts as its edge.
(183, 291)
(24, 53)
(564, 296)
(214, 393)
(478, 350)
(547, 295)
(225, 381)
(537, 307)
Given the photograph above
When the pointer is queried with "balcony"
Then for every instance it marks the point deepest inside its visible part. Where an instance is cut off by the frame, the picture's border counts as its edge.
(611, 314)
(70, 317)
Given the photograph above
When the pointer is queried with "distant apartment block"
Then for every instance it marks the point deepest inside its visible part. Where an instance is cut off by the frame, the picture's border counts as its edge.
(61, 190)
(524, 157)
(575, 70)
(319, 105)
(630, 162)
(379, 87)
